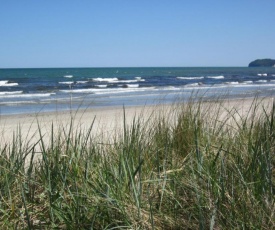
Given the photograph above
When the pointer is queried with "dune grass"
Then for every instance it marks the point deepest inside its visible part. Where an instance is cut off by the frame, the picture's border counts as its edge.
(199, 165)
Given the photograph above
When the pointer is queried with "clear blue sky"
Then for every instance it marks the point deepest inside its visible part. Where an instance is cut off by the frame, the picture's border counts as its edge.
(123, 33)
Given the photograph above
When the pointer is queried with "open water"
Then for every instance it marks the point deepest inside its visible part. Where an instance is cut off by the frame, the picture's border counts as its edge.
(51, 89)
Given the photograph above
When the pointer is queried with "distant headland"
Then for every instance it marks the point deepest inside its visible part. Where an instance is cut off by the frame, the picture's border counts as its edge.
(262, 63)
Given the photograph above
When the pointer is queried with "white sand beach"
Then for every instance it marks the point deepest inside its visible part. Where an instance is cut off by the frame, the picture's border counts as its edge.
(106, 122)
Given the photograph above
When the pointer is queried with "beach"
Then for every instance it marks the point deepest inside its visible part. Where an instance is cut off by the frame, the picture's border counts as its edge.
(108, 122)
(105, 122)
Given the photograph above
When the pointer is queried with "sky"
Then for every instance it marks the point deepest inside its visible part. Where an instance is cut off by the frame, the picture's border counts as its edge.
(128, 33)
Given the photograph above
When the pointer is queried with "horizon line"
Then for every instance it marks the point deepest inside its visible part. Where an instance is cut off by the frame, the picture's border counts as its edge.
(112, 67)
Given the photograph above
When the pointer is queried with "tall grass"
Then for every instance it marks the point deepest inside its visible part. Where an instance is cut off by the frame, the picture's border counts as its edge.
(201, 165)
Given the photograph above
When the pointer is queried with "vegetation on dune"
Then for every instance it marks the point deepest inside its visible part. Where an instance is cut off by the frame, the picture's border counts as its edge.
(201, 166)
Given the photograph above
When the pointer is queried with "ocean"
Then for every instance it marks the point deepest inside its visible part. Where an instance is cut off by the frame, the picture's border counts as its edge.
(63, 89)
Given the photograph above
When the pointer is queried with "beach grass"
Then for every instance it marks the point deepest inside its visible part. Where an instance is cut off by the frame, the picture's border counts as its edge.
(198, 165)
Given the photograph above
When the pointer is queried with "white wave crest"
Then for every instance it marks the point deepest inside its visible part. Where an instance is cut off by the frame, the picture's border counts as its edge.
(232, 83)
(190, 78)
(6, 83)
(11, 84)
(99, 79)
(106, 90)
(101, 86)
(126, 81)
(131, 85)
(81, 82)
(261, 81)
(68, 76)
(139, 79)
(262, 74)
(3, 82)
(27, 95)
(66, 82)
(216, 77)
(247, 82)
(15, 103)
(11, 92)
(115, 80)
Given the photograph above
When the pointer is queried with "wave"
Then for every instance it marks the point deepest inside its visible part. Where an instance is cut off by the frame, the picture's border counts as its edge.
(107, 90)
(262, 74)
(116, 80)
(126, 81)
(7, 83)
(139, 79)
(190, 78)
(232, 83)
(121, 90)
(216, 77)
(130, 86)
(72, 82)
(261, 81)
(247, 82)
(99, 79)
(68, 76)
(11, 92)
(3, 83)
(13, 103)
(66, 82)
(27, 95)
(101, 86)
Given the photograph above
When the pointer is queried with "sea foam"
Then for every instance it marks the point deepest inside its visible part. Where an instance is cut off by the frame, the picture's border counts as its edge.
(247, 82)
(11, 92)
(27, 95)
(216, 77)
(131, 85)
(232, 83)
(99, 79)
(6, 83)
(116, 80)
(190, 78)
(262, 74)
(106, 90)
(261, 81)
(66, 82)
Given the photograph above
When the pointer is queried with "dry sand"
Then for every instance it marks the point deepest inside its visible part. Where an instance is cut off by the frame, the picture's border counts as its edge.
(107, 121)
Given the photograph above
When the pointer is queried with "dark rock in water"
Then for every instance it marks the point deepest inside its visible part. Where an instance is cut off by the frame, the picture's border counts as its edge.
(262, 63)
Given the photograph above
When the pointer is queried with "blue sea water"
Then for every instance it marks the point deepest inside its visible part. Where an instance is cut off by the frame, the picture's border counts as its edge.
(51, 89)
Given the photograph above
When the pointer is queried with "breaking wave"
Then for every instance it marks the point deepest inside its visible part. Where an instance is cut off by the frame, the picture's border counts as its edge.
(7, 83)
(190, 78)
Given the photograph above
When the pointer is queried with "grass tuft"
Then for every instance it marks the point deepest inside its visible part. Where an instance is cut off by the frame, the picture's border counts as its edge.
(202, 164)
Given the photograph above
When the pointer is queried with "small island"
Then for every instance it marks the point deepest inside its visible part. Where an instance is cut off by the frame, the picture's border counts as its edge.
(262, 63)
